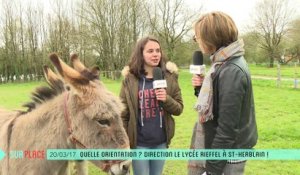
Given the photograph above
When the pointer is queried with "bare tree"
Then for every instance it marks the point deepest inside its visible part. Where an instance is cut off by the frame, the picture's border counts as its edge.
(10, 41)
(20, 47)
(113, 27)
(42, 37)
(271, 23)
(22, 40)
(171, 20)
(294, 38)
(61, 29)
(104, 33)
(33, 33)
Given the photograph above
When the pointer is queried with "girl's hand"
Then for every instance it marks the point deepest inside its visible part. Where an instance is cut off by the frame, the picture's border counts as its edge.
(161, 94)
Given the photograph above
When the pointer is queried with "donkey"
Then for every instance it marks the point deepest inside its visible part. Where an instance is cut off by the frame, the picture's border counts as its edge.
(86, 116)
(57, 86)
(44, 93)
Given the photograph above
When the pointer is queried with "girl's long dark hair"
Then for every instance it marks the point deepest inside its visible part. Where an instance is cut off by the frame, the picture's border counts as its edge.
(136, 64)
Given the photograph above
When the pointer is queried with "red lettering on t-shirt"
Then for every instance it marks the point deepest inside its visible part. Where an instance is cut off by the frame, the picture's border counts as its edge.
(146, 93)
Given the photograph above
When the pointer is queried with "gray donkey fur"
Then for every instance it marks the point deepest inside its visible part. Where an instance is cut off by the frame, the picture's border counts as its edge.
(44, 93)
(95, 119)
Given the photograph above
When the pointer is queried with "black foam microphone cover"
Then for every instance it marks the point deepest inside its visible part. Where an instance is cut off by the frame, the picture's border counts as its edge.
(157, 73)
(198, 58)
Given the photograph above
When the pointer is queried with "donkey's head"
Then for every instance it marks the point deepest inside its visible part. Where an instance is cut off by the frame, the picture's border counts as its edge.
(92, 113)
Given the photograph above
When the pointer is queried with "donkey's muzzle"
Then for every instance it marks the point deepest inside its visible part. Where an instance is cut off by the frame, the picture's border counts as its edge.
(121, 168)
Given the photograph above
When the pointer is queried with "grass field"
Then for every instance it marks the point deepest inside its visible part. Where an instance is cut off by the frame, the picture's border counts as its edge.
(277, 114)
(285, 70)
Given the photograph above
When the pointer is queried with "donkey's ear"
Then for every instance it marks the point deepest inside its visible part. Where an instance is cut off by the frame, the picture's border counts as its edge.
(92, 74)
(69, 74)
(95, 71)
(77, 63)
(53, 80)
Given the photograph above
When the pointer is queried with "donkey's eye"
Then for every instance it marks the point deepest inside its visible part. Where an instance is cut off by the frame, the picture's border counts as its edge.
(104, 122)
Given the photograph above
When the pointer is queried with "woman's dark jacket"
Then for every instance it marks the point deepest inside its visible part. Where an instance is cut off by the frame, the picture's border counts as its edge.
(234, 124)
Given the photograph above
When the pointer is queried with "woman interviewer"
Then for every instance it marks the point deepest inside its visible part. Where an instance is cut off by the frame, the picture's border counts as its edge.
(225, 103)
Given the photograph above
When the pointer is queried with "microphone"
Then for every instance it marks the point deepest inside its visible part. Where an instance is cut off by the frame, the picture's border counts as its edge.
(197, 68)
(159, 82)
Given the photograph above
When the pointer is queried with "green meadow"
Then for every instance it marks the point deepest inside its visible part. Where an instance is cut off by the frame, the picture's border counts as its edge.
(286, 71)
(277, 115)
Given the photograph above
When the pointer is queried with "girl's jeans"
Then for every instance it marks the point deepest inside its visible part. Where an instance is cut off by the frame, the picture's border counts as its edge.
(149, 167)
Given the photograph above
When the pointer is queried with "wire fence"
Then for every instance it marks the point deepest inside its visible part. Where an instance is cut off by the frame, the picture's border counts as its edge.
(285, 76)
(20, 78)
(23, 78)
(279, 81)
(295, 79)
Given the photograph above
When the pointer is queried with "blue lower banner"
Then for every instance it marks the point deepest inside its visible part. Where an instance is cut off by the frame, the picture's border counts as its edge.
(173, 154)
(2, 154)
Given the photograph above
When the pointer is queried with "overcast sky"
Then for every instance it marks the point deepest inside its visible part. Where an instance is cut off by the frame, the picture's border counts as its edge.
(239, 10)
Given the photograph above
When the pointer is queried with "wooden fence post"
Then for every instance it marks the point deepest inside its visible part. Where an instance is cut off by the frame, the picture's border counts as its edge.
(278, 75)
(296, 80)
